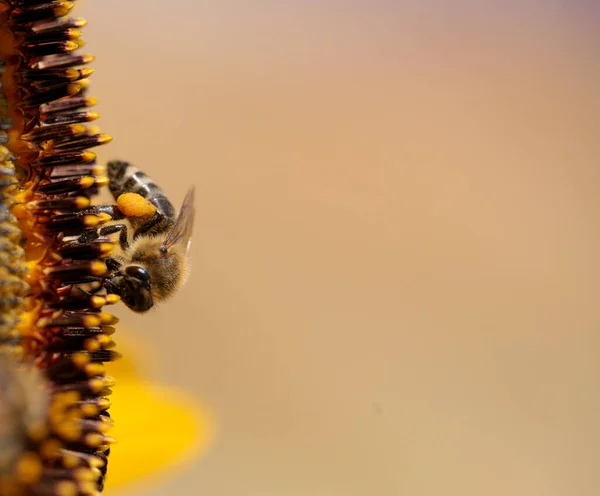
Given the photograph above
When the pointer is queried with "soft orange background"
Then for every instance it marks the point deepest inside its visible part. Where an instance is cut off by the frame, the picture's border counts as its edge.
(396, 256)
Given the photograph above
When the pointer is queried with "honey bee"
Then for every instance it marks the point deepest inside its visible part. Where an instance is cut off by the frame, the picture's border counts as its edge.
(153, 260)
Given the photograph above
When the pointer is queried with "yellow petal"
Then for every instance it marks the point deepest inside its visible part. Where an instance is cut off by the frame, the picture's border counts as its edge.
(157, 427)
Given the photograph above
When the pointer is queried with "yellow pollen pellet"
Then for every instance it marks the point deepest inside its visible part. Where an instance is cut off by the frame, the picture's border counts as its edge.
(134, 205)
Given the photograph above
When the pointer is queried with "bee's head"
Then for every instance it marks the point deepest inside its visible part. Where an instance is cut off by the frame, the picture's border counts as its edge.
(133, 285)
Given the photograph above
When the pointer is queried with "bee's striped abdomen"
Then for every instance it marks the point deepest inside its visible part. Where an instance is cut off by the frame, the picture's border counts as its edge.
(125, 178)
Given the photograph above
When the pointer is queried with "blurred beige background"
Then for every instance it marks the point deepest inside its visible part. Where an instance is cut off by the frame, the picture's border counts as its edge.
(396, 268)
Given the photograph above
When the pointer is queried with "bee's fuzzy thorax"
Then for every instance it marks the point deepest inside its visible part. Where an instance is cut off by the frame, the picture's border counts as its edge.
(48, 176)
(168, 271)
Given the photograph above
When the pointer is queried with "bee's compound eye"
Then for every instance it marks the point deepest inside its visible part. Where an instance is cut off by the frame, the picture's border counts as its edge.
(138, 273)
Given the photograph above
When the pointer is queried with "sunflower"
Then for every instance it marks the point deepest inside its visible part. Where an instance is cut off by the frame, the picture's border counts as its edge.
(55, 337)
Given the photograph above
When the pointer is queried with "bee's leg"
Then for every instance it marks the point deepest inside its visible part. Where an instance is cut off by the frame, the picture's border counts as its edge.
(88, 236)
(154, 222)
(112, 264)
(116, 228)
(111, 210)
(91, 292)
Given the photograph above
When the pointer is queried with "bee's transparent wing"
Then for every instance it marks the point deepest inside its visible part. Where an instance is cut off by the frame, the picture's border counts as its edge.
(181, 233)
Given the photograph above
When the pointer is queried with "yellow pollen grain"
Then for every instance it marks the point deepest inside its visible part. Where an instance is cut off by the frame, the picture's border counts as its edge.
(29, 468)
(91, 345)
(87, 181)
(97, 301)
(97, 384)
(107, 420)
(96, 462)
(86, 474)
(69, 430)
(104, 428)
(108, 381)
(84, 83)
(78, 129)
(111, 299)
(98, 170)
(105, 250)
(87, 157)
(70, 46)
(108, 330)
(93, 439)
(51, 449)
(28, 321)
(98, 268)
(102, 180)
(74, 88)
(88, 488)
(80, 359)
(80, 22)
(107, 318)
(91, 321)
(19, 211)
(69, 460)
(37, 430)
(97, 473)
(73, 33)
(94, 369)
(89, 410)
(86, 72)
(91, 220)
(82, 202)
(104, 217)
(66, 488)
(68, 397)
(71, 73)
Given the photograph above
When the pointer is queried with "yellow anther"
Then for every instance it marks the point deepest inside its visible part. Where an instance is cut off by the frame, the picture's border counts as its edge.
(80, 359)
(82, 202)
(74, 88)
(29, 468)
(91, 321)
(66, 488)
(98, 268)
(111, 299)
